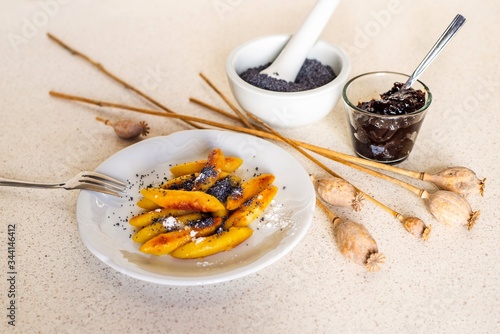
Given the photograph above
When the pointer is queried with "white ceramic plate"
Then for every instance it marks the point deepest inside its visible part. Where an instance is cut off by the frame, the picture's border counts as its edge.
(103, 220)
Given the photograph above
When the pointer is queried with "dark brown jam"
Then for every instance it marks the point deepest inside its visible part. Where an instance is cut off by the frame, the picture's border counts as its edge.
(382, 137)
(395, 101)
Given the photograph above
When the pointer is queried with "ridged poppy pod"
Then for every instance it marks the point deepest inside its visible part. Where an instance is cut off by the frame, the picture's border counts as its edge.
(451, 209)
(460, 180)
(339, 192)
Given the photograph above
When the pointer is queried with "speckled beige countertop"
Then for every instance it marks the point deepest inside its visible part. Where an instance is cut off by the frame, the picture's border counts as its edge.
(449, 284)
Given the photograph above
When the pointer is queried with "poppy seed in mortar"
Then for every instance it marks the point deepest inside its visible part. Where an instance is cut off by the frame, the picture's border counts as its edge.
(312, 75)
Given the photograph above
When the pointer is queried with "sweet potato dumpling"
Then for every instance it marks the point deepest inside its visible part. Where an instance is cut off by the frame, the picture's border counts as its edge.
(183, 200)
(213, 244)
(249, 189)
(251, 209)
(230, 165)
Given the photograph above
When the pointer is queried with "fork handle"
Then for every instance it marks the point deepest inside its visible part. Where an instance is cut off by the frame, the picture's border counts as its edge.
(25, 184)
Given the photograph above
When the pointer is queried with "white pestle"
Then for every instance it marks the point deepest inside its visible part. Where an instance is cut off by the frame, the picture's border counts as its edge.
(288, 63)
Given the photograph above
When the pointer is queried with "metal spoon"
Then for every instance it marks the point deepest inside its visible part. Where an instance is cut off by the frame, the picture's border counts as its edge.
(288, 63)
(452, 29)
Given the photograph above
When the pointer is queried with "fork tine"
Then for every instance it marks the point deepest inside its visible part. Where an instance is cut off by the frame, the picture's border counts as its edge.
(104, 178)
(101, 183)
(97, 188)
(99, 176)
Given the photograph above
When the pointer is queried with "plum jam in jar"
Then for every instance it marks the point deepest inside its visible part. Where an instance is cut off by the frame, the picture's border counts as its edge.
(384, 127)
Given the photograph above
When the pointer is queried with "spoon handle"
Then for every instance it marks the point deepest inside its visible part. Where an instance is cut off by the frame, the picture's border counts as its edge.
(452, 29)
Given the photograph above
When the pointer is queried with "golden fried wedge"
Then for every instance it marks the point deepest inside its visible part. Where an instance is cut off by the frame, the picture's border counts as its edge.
(154, 229)
(148, 232)
(177, 182)
(210, 173)
(222, 213)
(251, 209)
(147, 205)
(147, 218)
(213, 244)
(165, 243)
(249, 189)
(183, 200)
(230, 165)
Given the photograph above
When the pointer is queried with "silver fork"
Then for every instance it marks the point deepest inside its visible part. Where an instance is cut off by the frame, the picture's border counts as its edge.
(85, 180)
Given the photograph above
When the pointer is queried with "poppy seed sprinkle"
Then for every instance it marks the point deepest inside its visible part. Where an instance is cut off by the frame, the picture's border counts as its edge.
(312, 75)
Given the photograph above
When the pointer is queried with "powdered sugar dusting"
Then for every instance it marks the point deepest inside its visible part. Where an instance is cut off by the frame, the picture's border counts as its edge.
(171, 223)
(276, 216)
